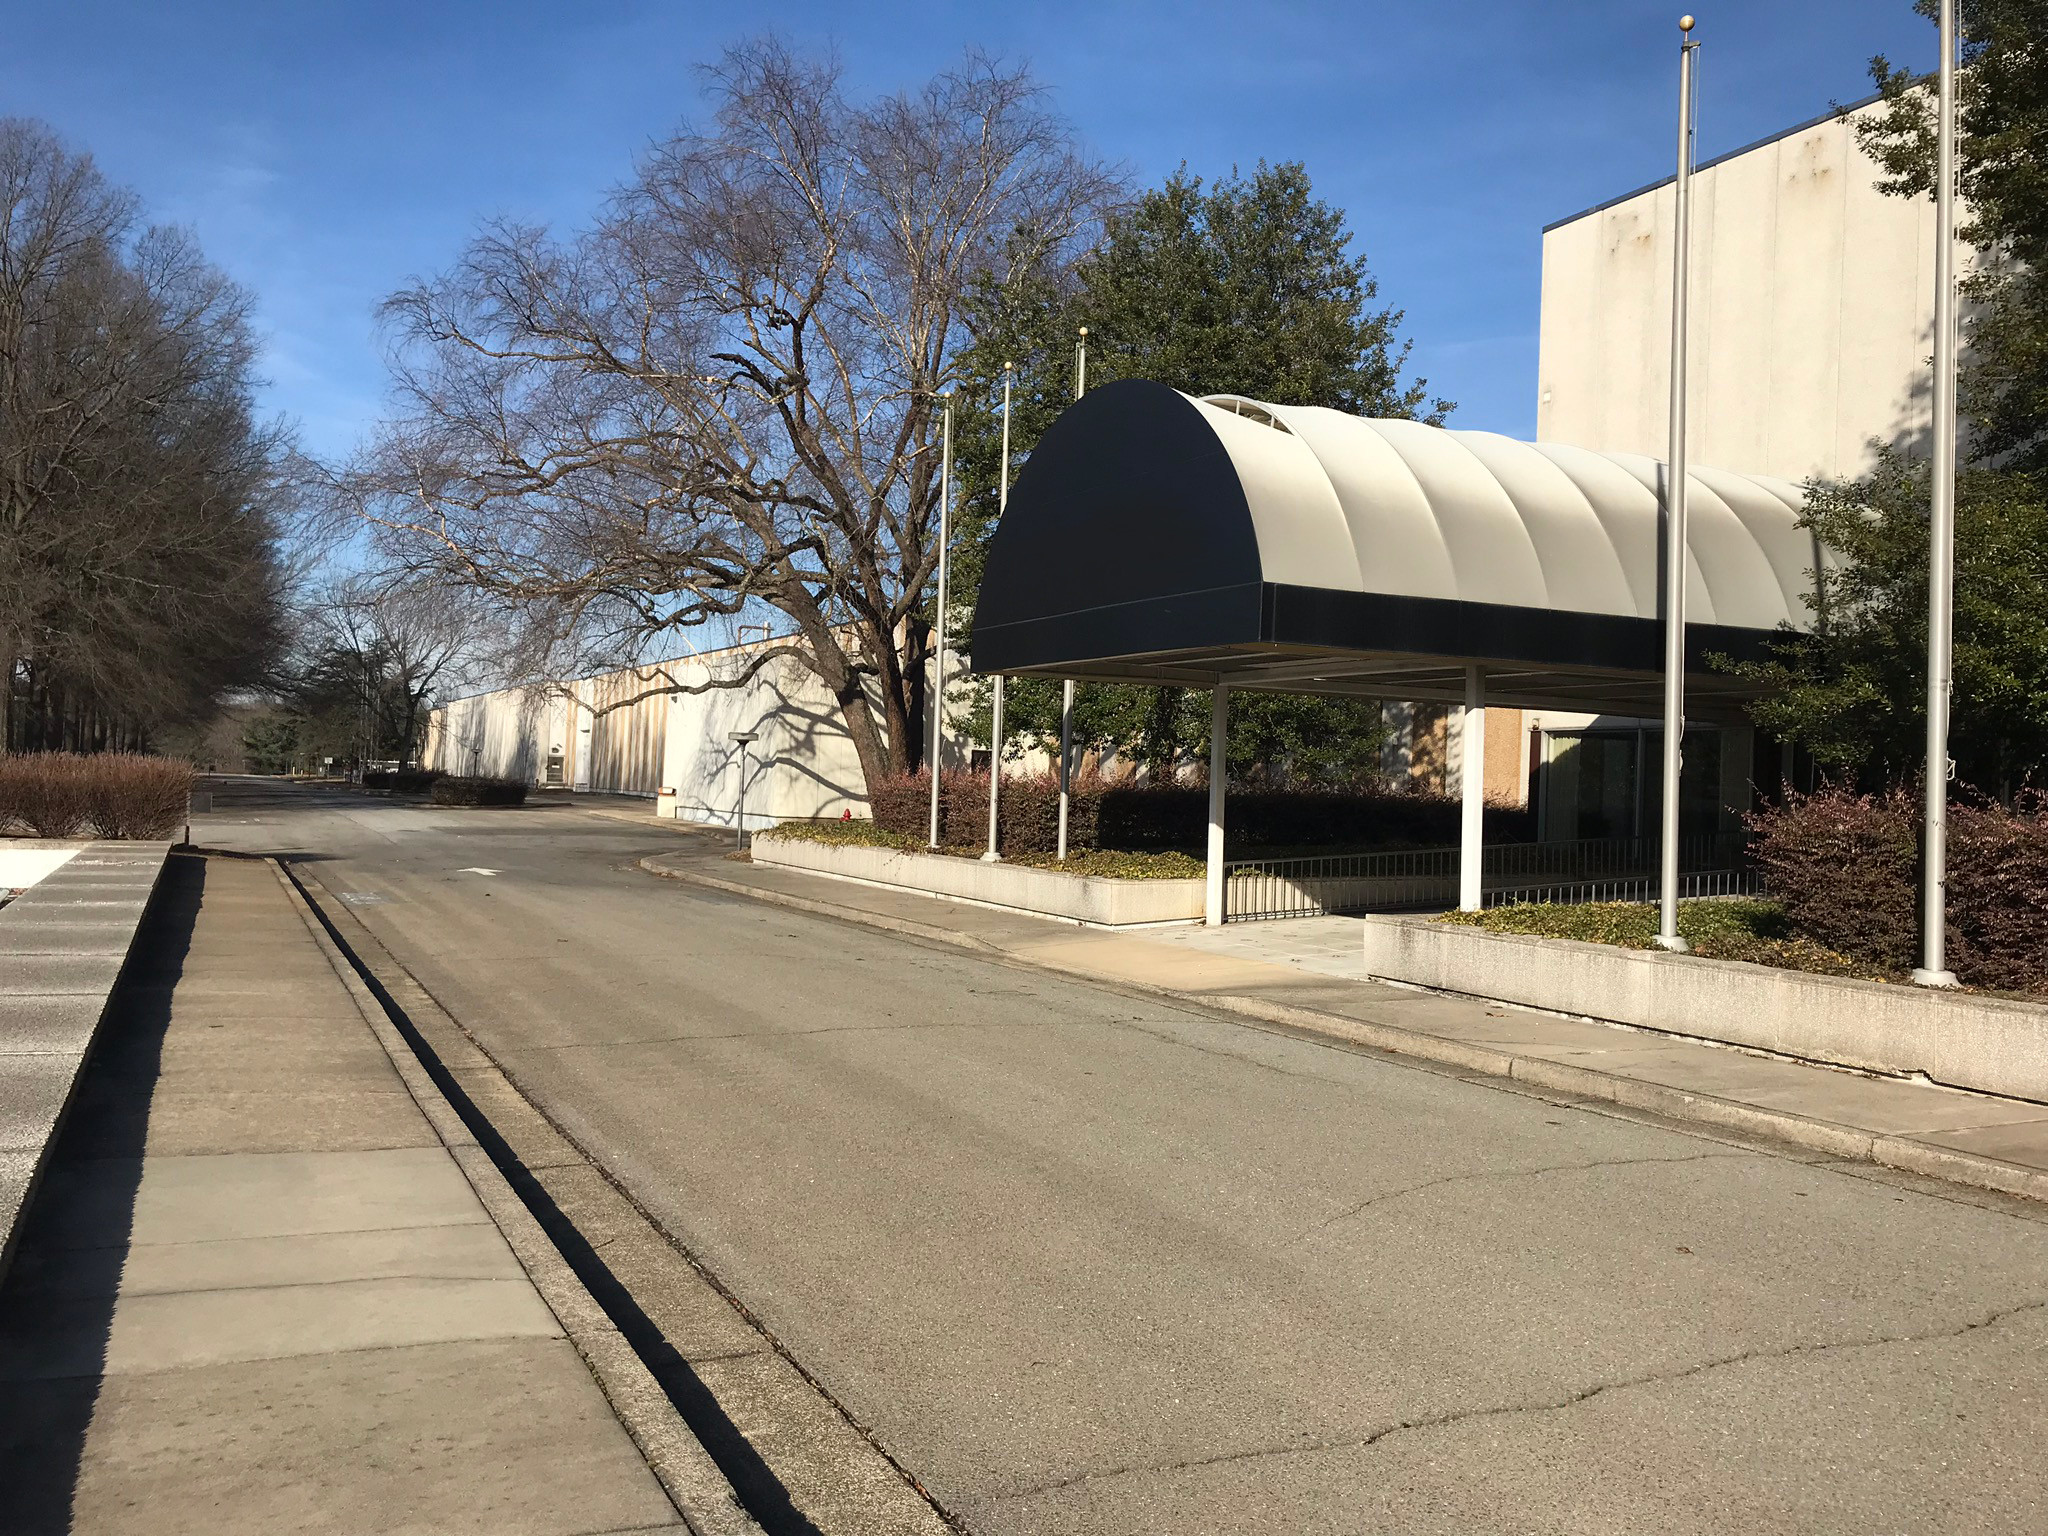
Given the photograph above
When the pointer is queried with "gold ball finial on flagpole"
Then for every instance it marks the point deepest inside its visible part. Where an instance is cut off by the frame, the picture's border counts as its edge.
(1084, 333)
(1685, 23)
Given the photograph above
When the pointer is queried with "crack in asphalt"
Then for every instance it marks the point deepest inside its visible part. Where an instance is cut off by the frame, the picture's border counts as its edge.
(1514, 1410)
(1511, 1173)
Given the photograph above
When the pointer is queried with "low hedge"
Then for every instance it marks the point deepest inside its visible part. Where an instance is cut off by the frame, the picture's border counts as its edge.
(451, 789)
(1998, 893)
(1155, 865)
(1142, 818)
(106, 794)
(403, 781)
(1717, 928)
(1846, 869)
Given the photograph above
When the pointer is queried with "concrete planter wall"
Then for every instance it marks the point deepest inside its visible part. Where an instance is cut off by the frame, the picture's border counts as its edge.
(1088, 899)
(1987, 1044)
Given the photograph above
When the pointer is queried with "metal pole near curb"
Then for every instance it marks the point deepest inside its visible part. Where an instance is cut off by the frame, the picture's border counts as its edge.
(1674, 515)
(1067, 687)
(1933, 969)
(739, 828)
(995, 725)
(939, 651)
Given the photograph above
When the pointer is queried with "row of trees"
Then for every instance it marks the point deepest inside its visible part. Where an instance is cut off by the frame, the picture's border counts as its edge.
(141, 501)
(720, 403)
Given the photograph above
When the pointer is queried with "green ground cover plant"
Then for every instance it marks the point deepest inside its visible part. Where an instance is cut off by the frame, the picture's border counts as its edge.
(1737, 929)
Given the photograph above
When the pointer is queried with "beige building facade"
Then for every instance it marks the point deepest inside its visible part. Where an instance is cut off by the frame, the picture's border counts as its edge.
(665, 731)
(1812, 311)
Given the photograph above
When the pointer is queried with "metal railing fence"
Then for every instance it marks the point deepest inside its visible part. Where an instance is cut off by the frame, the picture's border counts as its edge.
(1713, 864)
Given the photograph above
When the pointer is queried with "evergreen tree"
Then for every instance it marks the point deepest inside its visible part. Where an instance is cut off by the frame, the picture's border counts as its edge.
(1244, 286)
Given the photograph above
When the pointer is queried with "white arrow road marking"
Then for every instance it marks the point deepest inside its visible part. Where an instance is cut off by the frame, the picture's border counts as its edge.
(475, 870)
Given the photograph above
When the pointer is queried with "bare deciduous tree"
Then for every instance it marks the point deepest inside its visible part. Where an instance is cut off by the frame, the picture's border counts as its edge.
(722, 398)
(138, 497)
(390, 649)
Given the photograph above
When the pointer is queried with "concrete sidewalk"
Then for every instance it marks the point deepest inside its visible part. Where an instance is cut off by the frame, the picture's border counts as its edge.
(1309, 974)
(259, 1292)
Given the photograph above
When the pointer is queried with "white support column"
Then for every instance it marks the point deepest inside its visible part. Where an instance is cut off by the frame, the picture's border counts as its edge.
(1219, 732)
(1066, 760)
(1472, 789)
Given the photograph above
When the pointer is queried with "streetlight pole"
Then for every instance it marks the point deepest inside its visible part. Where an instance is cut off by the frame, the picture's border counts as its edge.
(739, 828)
(995, 725)
(1674, 514)
(939, 652)
(1067, 687)
(1933, 969)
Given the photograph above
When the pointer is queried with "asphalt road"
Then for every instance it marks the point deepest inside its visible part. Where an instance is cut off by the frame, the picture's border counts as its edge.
(1087, 1262)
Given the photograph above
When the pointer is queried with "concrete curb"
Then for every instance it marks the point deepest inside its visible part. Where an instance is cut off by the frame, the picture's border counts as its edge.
(653, 865)
(1849, 1143)
(1990, 1045)
(1092, 901)
(684, 1468)
(70, 938)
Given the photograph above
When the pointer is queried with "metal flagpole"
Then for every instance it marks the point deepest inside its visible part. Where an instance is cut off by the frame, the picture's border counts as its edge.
(1933, 970)
(1674, 516)
(939, 654)
(995, 724)
(1067, 687)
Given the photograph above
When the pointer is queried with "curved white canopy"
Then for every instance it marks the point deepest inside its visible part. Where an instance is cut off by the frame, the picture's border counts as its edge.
(1157, 537)
(1364, 505)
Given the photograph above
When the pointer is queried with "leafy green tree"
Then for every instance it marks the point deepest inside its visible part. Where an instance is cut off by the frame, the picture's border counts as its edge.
(2002, 175)
(270, 742)
(1854, 691)
(1244, 286)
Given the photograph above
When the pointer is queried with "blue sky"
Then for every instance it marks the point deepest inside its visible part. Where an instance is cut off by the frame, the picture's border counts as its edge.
(326, 153)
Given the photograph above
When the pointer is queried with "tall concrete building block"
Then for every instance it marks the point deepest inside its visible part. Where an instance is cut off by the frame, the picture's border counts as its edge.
(1812, 312)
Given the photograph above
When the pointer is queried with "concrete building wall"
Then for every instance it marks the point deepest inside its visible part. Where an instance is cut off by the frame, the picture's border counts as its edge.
(803, 764)
(628, 731)
(602, 733)
(1811, 321)
(506, 734)
(1425, 749)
